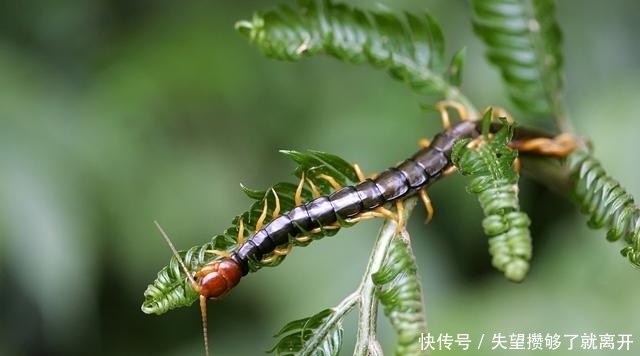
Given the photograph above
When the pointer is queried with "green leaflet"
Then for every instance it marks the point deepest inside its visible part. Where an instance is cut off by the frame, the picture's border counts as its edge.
(495, 182)
(408, 47)
(401, 295)
(608, 204)
(318, 335)
(171, 288)
(454, 72)
(524, 41)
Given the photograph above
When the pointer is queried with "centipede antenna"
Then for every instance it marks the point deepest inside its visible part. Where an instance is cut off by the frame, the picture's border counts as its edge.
(205, 330)
(203, 299)
(176, 255)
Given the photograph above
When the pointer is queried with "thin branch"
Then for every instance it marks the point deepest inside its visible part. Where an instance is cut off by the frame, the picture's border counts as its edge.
(366, 339)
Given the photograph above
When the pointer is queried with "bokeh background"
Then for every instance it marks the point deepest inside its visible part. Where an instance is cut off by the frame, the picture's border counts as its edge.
(115, 113)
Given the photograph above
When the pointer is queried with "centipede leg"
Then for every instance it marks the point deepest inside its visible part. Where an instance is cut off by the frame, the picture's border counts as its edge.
(424, 143)
(427, 204)
(399, 214)
(239, 241)
(498, 112)
(283, 251)
(277, 252)
(517, 165)
(476, 142)
(314, 190)
(331, 181)
(359, 173)
(276, 209)
(303, 239)
(260, 222)
(380, 212)
(559, 146)
(442, 107)
(444, 115)
(318, 230)
(219, 253)
(449, 171)
(297, 199)
(262, 216)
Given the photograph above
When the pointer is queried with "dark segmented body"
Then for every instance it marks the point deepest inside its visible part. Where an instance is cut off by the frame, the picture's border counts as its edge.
(404, 180)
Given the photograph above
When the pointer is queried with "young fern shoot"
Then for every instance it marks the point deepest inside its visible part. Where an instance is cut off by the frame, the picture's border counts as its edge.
(490, 162)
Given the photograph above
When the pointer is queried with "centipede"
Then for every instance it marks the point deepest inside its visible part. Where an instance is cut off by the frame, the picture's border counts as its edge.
(217, 278)
(348, 204)
(324, 214)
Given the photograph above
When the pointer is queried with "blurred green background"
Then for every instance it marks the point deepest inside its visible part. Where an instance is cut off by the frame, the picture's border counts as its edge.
(116, 113)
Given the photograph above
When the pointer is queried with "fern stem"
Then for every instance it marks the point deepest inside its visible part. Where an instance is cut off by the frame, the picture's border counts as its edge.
(336, 317)
(366, 342)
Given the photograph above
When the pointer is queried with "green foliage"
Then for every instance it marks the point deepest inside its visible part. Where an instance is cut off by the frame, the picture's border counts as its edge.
(454, 72)
(409, 47)
(172, 288)
(607, 203)
(524, 41)
(391, 279)
(318, 335)
(401, 295)
(495, 182)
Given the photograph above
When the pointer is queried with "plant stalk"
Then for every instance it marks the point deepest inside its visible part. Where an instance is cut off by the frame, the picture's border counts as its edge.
(366, 341)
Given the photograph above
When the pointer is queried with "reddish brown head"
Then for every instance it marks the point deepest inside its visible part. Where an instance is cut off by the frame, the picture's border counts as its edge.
(212, 281)
(217, 278)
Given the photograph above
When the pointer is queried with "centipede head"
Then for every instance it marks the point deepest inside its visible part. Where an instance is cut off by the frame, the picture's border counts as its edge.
(217, 278)
(212, 281)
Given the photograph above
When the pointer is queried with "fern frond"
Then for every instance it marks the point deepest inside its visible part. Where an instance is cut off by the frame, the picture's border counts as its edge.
(171, 288)
(408, 47)
(607, 203)
(318, 335)
(524, 41)
(401, 295)
(495, 182)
